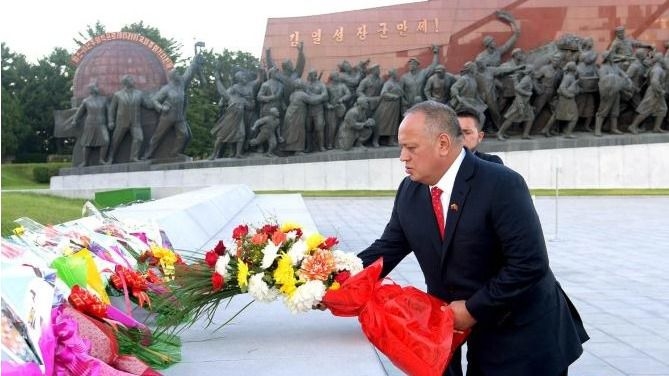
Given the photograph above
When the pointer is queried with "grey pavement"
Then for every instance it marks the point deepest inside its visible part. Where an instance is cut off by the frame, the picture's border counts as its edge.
(609, 253)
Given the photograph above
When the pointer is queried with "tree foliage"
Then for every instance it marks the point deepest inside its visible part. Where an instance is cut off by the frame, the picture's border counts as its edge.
(90, 33)
(16, 73)
(171, 47)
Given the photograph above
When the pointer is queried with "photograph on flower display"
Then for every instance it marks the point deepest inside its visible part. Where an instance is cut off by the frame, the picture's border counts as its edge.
(16, 345)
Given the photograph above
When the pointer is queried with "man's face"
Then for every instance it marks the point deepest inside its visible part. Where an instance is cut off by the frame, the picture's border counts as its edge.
(420, 151)
(471, 135)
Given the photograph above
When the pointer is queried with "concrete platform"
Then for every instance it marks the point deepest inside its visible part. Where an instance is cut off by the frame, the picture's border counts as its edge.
(266, 339)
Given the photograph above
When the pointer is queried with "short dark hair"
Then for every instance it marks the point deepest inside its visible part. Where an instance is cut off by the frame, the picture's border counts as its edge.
(471, 113)
(440, 118)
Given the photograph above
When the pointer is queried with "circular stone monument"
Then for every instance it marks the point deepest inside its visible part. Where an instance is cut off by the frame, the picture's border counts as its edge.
(106, 58)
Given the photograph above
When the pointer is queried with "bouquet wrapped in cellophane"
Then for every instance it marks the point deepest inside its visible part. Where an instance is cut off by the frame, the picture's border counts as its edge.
(269, 262)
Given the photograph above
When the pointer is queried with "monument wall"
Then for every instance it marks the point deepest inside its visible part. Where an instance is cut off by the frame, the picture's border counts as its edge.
(628, 161)
(390, 35)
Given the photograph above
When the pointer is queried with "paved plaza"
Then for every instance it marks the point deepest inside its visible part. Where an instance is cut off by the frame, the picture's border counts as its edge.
(611, 255)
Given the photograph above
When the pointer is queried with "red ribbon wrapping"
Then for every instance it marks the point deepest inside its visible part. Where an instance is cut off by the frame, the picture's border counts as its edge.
(125, 279)
(412, 328)
(83, 300)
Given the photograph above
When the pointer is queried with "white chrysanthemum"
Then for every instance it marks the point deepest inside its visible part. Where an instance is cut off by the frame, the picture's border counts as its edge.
(291, 235)
(297, 251)
(269, 254)
(305, 297)
(260, 291)
(347, 261)
(221, 266)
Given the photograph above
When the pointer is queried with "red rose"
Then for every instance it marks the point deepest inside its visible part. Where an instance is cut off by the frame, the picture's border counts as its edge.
(342, 276)
(329, 243)
(217, 281)
(298, 232)
(220, 248)
(268, 229)
(240, 232)
(210, 258)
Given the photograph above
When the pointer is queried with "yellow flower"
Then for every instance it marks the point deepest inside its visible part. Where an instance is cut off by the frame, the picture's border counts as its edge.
(288, 226)
(167, 259)
(314, 240)
(19, 231)
(163, 254)
(242, 274)
(335, 286)
(284, 275)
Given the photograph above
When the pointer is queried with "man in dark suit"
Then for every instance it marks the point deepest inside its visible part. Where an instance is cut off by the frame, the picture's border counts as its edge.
(471, 124)
(491, 265)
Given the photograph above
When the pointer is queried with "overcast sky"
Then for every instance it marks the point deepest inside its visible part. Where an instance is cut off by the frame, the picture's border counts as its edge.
(35, 27)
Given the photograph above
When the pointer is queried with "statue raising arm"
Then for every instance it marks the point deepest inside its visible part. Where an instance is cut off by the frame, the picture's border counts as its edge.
(515, 28)
(429, 70)
(301, 60)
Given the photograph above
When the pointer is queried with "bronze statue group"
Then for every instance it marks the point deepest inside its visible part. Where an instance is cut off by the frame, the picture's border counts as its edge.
(571, 84)
(276, 112)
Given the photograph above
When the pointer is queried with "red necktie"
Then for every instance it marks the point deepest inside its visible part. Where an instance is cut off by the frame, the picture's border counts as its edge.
(438, 209)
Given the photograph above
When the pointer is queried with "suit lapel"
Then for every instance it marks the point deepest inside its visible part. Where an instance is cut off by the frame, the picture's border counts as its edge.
(457, 200)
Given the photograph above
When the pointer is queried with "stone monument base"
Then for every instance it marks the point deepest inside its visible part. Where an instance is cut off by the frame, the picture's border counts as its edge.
(624, 161)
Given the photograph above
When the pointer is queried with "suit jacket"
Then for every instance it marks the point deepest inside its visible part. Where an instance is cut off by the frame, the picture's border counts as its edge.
(488, 157)
(493, 256)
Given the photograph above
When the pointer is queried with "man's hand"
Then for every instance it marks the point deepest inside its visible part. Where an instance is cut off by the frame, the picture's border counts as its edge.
(463, 320)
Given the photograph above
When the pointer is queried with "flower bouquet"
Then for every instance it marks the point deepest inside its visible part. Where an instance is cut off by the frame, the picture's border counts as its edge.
(146, 282)
(268, 262)
(415, 330)
(158, 350)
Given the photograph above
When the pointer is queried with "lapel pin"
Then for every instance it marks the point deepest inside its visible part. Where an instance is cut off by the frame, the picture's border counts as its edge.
(453, 207)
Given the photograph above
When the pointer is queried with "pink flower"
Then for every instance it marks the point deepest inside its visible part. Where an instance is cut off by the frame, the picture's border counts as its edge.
(278, 237)
(259, 239)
